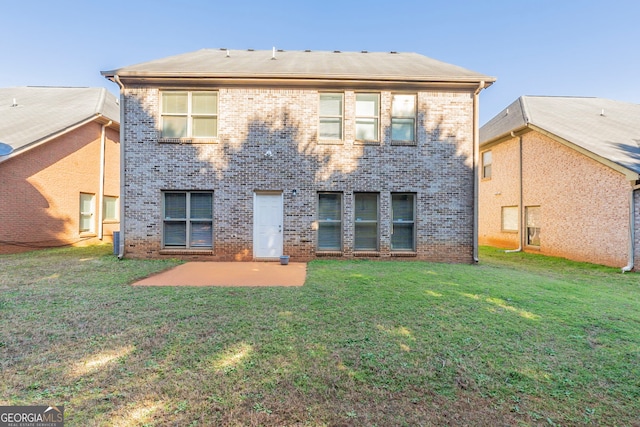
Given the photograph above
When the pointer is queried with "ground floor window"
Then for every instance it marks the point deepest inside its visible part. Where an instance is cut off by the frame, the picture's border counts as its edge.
(510, 218)
(366, 221)
(188, 219)
(403, 227)
(533, 225)
(329, 221)
(87, 212)
(110, 208)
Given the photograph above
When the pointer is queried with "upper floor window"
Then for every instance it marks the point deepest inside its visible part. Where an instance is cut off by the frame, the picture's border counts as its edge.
(189, 114)
(331, 111)
(403, 118)
(487, 160)
(367, 116)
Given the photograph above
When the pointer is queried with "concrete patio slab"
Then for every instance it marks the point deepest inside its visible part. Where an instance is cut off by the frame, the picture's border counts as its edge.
(229, 274)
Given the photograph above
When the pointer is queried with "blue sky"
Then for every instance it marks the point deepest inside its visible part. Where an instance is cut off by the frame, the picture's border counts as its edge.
(535, 47)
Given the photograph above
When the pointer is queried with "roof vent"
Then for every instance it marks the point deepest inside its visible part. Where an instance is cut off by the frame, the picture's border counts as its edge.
(364, 51)
(249, 50)
(307, 50)
(273, 53)
(602, 112)
(228, 53)
(223, 48)
(336, 51)
(15, 103)
(394, 52)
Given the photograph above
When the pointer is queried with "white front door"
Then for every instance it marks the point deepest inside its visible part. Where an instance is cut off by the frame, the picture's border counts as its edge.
(267, 225)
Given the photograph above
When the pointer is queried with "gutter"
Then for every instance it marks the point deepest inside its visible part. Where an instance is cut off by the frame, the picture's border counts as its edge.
(631, 249)
(116, 79)
(103, 142)
(476, 169)
(520, 207)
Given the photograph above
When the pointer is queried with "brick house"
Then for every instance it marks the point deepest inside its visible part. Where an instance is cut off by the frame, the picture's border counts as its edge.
(560, 176)
(60, 184)
(241, 155)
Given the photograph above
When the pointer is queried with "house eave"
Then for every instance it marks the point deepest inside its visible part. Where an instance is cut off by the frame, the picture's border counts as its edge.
(293, 81)
(629, 174)
(98, 118)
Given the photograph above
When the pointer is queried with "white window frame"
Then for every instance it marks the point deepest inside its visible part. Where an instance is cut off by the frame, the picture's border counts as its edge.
(330, 116)
(487, 162)
(412, 222)
(399, 117)
(90, 215)
(375, 118)
(510, 216)
(189, 115)
(357, 221)
(533, 226)
(337, 222)
(187, 220)
(116, 201)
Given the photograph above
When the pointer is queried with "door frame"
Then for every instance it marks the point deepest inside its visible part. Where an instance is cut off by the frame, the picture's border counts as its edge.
(256, 194)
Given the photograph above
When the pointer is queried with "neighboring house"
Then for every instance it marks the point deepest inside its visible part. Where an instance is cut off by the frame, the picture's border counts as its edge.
(240, 155)
(60, 185)
(559, 176)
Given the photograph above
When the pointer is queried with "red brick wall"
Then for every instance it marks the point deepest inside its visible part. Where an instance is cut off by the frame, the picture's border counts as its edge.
(584, 204)
(40, 193)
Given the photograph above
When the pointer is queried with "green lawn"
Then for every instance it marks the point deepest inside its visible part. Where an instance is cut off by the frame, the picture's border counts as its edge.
(518, 340)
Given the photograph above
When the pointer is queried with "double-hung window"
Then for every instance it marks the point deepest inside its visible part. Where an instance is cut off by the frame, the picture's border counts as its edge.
(87, 212)
(404, 220)
(510, 218)
(189, 114)
(110, 208)
(367, 116)
(188, 219)
(329, 221)
(403, 118)
(331, 112)
(533, 215)
(487, 160)
(366, 221)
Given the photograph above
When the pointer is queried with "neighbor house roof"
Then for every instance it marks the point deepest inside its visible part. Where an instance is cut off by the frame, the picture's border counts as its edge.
(300, 65)
(31, 115)
(606, 130)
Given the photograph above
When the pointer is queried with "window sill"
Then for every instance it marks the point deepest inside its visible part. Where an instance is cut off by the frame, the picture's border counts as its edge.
(181, 141)
(404, 254)
(186, 251)
(510, 231)
(87, 234)
(405, 143)
(329, 253)
(110, 221)
(356, 142)
(330, 142)
(366, 253)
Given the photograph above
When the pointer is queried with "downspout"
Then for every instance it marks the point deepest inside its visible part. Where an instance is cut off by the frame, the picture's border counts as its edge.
(476, 171)
(520, 208)
(122, 163)
(103, 142)
(632, 233)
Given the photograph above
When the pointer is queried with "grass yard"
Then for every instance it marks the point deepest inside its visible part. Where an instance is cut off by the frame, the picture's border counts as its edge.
(518, 340)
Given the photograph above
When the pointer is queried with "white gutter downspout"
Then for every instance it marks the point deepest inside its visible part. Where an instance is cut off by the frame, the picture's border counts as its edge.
(520, 208)
(122, 195)
(632, 233)
(103, 143)
(476, 171)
